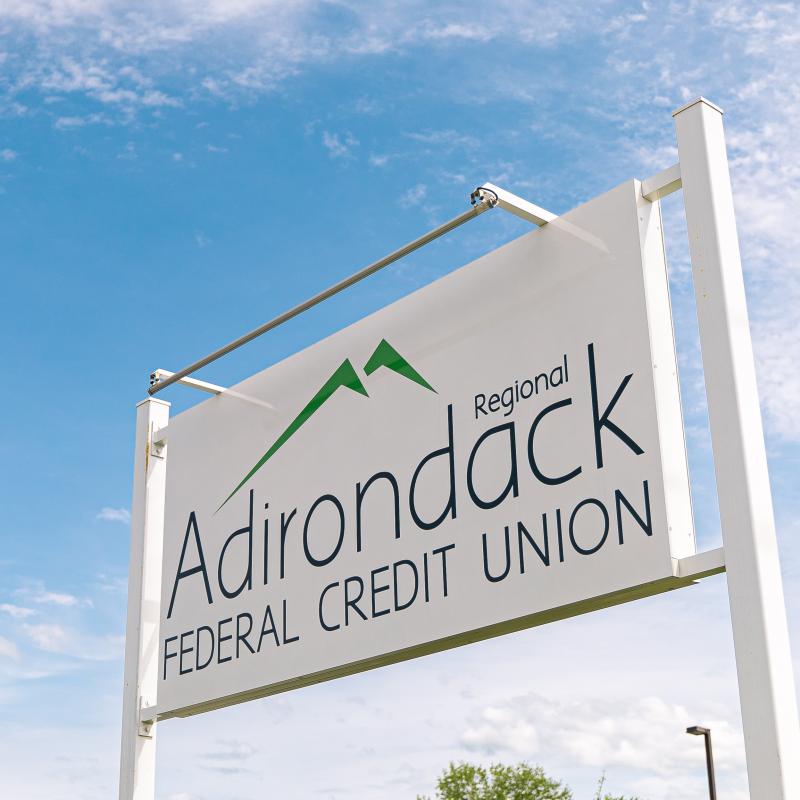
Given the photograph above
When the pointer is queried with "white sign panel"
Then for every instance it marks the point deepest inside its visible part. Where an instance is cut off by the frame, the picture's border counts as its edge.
(502, 448)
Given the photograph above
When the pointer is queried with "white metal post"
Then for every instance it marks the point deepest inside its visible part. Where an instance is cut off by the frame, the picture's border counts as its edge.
(138, 756)
(755, 589)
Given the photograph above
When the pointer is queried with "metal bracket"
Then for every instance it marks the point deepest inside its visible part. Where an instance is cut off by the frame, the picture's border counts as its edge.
(663, 183)
(700, 565)
(158, 441)
(146, 726)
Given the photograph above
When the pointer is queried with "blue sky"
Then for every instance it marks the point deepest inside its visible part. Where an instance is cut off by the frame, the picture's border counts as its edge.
(172, 174)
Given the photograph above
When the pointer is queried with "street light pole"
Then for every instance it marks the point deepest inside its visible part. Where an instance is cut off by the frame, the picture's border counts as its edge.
(696, 730)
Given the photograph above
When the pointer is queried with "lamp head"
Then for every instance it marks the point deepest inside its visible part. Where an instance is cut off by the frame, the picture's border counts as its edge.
(697, 730)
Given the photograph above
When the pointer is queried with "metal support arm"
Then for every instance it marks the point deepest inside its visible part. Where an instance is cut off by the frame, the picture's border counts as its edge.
(483, 199)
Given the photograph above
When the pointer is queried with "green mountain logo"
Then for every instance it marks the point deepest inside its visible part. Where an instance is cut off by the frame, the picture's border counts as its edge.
(343, 376)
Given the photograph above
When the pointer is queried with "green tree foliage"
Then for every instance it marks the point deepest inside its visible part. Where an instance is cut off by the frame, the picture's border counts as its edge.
(498, 782)
(600, 796)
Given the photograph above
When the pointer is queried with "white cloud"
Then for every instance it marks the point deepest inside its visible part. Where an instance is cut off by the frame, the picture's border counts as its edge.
(378, 160)
(63, 123)
(63, 640)
(8, 649)
(156, 99)
(55, 598)
(121, 86)
(447, 140)
(502, 730)
(230, 757)
(6, 154)
(111, 584)
(413, 196)
(49, 637)
(17, 612)
(765, 162)
(128, 153)
(126, 59)
(765, 165)
(338, 146)
(644, 737)
(368, 106)
(70, 122)
(109, 514)
(458, 30)
(756, 82)
(38, 593)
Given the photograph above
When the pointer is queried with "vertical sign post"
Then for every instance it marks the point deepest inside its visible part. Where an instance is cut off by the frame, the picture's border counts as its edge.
(758, 613)
(138, 756)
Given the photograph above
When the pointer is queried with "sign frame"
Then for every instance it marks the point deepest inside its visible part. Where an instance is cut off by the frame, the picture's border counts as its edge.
(755, 590)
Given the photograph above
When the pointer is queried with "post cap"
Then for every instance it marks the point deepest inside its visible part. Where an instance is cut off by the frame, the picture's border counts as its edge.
(154, 400)
(694, 102)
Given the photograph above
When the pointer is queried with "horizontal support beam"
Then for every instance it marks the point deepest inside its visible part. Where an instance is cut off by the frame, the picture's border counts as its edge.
(162, 374)
(517, 206)
(700, 565)
(662, 183)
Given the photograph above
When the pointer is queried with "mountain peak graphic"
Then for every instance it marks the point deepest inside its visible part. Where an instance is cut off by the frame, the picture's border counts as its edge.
(386, 356)
(345, 375)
